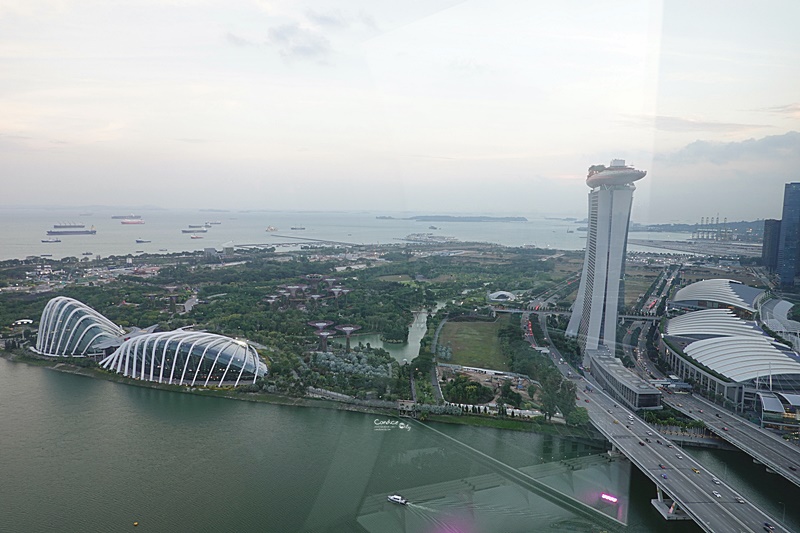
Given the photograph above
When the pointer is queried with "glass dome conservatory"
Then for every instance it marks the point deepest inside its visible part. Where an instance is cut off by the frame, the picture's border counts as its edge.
(72, 328)
(187, 358)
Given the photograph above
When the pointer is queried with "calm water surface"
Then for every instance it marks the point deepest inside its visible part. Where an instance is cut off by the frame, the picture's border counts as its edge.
(79, 454)
(24, 228)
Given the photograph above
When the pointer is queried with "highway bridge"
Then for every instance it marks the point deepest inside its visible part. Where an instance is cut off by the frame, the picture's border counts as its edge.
(775, 453)
(679, 478)
(697, 492)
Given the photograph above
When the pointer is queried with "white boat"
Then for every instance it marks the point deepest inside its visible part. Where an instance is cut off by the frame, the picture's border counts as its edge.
(396, 498)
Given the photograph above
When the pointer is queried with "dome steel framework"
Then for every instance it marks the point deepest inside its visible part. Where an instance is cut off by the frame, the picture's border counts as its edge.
(72, 328)
(187, 358)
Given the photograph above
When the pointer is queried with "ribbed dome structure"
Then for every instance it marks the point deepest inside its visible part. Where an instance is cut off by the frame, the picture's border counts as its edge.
(72, 328)
(712, 323)
(187, 358)
(723, 291)
(742, 358)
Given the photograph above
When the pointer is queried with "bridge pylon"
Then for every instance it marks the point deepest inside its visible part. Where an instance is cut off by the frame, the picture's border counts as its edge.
(667, 507)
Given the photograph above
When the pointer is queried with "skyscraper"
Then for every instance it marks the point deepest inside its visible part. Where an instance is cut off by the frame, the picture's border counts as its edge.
(769, 248)
(601, 293)
(790, 234)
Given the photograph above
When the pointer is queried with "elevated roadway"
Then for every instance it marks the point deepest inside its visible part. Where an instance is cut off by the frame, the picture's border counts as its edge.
(693, 491)
(778, 455)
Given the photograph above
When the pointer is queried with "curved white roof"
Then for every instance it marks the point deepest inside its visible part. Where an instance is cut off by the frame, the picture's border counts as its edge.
(742, 358)
(186, 358)
(712, 322)
(69, 327)
(502, 295)
(724, 291)
(775, 314)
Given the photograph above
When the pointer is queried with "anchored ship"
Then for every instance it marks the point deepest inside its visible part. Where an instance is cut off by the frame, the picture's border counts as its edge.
(64, 225)
(72, 231)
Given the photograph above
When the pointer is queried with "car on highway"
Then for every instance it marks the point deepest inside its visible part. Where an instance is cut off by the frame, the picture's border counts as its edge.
(768, 526)
(715, 480)
(662, 466)
(717, 415)
(716, 493)
(696, 471)
(679, 456)
(739, 500)
(664, 476)
(700, 410)
(670, 446)
(792, 468)
(641, 443)
(724, 428)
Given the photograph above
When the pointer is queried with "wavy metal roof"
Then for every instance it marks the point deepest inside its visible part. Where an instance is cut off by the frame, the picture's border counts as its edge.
(742, 358)
(711, 322)
(724, 291)
(770, 402)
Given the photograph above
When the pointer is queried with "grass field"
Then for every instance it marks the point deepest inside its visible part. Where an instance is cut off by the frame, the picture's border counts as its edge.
(637, 281)
(475, 343)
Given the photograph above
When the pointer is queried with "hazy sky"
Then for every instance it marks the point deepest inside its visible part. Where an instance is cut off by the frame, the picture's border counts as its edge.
(432, 106)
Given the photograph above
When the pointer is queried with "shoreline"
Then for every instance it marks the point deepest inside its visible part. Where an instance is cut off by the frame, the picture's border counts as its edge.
(508, 424)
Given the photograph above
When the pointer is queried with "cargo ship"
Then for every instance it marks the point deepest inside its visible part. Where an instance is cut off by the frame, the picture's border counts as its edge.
(142, 241)
(65, 225)
(127, 216)
(132, 221)
(197, 230)
(51, 240)
(72, 231)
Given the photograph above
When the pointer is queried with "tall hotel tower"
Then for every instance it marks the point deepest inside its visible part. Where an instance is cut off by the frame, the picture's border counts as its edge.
(600, 294)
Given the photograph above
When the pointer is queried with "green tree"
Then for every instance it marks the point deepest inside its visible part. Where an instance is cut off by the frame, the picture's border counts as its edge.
(578, 417)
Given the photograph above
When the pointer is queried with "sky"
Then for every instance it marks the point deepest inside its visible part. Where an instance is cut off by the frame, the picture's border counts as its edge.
(433, 106)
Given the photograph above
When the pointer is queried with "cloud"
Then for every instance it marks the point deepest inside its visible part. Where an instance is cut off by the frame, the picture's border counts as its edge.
(789, 110)
(767, 148)
(739, 180)
(331, 19)
(683, 124)
(235, 40)
(295, 42)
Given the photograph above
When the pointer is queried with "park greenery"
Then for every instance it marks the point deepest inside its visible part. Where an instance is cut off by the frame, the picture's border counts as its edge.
(251, 298)
(461, 389)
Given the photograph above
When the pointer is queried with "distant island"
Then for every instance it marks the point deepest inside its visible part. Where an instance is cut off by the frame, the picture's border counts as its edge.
(453, 218)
